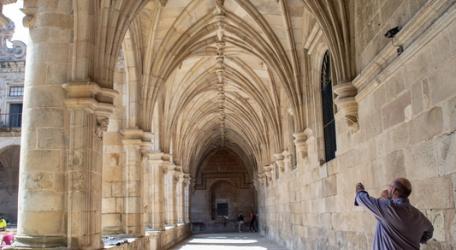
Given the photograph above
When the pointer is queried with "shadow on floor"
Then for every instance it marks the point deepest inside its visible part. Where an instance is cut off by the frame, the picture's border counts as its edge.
(226, 241)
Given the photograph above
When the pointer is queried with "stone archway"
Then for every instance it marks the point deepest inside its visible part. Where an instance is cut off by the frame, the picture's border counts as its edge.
(223, 190)
(9, 178)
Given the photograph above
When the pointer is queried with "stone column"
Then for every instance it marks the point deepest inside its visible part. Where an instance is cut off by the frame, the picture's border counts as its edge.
(286, 160)
(186, 199)
(41, 198)
(170, 196)
(87, 120)
(268, 174)
(180, 198)
(157, 163)
(133, 220)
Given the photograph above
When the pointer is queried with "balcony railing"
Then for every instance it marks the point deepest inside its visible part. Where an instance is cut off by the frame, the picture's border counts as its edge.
(10, 121)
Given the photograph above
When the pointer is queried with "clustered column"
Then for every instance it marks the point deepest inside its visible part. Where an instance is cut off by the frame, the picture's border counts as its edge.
(87, 121)
(59, 183)
(180, 198)
(170, 197)
(186, 206)
(133, 219)
(157, 165)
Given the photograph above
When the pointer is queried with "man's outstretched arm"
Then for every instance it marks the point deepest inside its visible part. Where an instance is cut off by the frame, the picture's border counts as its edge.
(372, 204)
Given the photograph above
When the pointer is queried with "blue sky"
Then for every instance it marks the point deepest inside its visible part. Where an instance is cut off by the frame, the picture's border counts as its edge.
(14, 13)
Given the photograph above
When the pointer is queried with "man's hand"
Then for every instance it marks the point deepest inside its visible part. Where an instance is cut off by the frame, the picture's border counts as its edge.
(359, 187)
(384, 194)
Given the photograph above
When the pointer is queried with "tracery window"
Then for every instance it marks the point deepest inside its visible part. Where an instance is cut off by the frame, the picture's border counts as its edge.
(329, 126)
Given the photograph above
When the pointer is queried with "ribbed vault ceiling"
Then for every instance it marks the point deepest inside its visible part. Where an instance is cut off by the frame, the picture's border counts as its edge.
(218, 73)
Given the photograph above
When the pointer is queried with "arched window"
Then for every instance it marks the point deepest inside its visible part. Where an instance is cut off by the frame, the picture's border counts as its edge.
(329, 126)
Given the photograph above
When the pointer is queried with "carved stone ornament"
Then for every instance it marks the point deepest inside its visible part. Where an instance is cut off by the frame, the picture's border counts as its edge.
(346, 103)
(17, 50)
(102, 126)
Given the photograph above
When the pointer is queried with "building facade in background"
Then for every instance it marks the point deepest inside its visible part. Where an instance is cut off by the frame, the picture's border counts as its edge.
(12, 67)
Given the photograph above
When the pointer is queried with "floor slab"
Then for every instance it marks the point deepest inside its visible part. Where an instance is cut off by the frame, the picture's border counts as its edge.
(228, 241)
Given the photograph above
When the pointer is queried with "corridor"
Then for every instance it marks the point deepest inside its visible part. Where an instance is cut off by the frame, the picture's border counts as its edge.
(228, 241)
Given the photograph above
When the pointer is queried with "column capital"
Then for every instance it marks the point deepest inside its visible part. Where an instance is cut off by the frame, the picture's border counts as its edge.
(301, 141)
(90, 95)
(132, 134)
(93, 99)
(279, 160)
(346, 102)
(277, 156)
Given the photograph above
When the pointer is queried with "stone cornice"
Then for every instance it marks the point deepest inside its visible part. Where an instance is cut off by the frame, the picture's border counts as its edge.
(423, 27)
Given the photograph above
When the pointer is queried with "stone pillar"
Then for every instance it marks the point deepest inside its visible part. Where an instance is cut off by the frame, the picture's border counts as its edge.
(87, 121)
(41, 195)
(133, 219)
(268, 174)
(186, 199)
(286, 160)
(170, 196)
(180, 198)
(157, 164)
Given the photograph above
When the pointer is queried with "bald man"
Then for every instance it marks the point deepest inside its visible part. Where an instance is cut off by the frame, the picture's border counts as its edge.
(399, 224)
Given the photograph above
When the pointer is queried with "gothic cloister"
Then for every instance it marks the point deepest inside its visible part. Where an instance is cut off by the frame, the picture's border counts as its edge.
(156, 119)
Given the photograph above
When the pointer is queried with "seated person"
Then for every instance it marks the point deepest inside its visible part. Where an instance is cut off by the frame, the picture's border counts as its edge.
(3, 224)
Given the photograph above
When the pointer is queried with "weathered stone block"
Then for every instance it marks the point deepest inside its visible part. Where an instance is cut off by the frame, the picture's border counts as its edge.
(50, 138)
(417, 97)
(441, 82)
(426, 125)
(44, 160)
(39, 181)
(118, 189)
(46, 96)
(329, 186)
(421, 162)
(112, 173)
(449, 114)
(393, 112)
(398, 137)
(444, 148)
(108, 205)
(394, 165)
(55, 225)
(432, 193)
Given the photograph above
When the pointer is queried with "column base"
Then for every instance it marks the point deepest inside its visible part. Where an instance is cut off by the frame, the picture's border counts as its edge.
(22, 242)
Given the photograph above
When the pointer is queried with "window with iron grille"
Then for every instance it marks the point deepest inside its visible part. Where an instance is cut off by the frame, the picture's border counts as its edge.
(15, 91)
(329, 126)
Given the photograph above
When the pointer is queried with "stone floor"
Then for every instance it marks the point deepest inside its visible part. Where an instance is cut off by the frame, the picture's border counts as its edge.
(227, 241)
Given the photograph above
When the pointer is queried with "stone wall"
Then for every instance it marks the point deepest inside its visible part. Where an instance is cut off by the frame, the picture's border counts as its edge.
(113, 189)
(223, 178)
(372, 19)
(406, 128)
